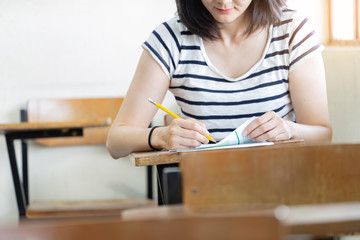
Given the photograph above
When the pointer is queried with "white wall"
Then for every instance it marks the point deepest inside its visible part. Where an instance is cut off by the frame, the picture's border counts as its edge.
(71, 48)
(342, 66)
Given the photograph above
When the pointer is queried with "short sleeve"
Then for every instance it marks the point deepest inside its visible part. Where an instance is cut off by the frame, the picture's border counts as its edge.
(304, 42)
(164, 45)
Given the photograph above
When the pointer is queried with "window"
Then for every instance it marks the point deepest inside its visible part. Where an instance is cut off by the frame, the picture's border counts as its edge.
(344, 21)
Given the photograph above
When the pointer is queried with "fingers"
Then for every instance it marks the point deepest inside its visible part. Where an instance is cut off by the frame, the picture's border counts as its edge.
(186, 133)
(258, 122)
(194, 125)
(268, 127)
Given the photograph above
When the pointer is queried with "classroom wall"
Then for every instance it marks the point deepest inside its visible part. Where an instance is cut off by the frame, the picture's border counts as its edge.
(78, 48)
(342, 65)
(71, 49)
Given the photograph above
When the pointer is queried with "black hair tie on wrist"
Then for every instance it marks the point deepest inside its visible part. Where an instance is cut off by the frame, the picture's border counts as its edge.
(149, 142)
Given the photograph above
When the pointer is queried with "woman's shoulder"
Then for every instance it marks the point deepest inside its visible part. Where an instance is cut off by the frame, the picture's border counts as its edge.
(173, 25)
(175, 33)
(165, 44)
(291, 17)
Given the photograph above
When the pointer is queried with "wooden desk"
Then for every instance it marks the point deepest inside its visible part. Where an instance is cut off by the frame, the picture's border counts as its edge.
(34, 130)
(223, 181)
(293, 175)
(321, 220)
(230, 228)
(42, 126)
(154, 158)
(318, 220)
(166, 159)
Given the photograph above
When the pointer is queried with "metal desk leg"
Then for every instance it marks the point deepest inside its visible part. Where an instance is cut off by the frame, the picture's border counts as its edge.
(10, 137)
(149, 182)
(19, 192)
(24, 153)
(25, 170)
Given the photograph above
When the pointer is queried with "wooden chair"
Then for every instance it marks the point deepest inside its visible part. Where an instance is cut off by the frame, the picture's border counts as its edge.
(269, 176)
(59, 110)
(245, 227)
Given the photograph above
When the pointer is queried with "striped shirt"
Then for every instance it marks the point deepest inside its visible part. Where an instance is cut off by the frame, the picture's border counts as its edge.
(222, 103)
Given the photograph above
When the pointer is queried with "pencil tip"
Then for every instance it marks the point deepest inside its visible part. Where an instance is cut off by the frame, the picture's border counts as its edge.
(211, 139)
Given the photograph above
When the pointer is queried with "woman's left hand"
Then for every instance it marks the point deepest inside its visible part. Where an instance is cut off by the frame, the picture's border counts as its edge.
(269, 127)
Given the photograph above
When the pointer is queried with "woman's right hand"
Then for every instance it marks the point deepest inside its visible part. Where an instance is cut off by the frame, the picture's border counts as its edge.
(180, 134)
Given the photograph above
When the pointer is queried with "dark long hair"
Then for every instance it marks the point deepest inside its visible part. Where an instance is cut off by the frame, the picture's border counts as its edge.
(198, 20)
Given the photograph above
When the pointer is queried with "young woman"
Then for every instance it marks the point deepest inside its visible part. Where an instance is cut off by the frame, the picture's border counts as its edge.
(226, 61)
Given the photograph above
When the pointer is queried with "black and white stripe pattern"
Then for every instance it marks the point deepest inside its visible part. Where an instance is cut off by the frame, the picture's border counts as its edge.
(223, 103)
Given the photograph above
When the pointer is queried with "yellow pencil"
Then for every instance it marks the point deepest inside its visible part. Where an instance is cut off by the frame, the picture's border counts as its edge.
(174, 115)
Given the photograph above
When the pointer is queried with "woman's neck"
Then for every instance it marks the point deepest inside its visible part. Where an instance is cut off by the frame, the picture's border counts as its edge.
(234, 31)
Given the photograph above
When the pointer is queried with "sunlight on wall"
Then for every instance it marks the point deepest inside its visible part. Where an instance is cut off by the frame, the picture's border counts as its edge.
(343, 20)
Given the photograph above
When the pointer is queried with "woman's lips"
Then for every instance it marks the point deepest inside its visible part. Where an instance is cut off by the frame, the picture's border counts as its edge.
(224, 10)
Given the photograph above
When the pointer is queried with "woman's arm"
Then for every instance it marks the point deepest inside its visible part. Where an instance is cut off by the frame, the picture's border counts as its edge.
(307, 87)
(129, 132)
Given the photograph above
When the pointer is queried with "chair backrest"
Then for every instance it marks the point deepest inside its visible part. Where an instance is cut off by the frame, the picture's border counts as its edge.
(246, 227)
(60, 110)
(269, 176)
